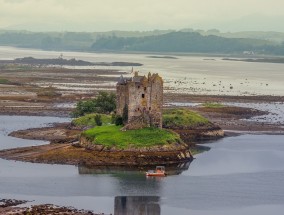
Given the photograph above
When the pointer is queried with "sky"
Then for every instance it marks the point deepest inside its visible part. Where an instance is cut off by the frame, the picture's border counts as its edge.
(142, 15)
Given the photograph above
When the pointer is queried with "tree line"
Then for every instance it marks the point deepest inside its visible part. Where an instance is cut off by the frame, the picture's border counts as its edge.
(190, 42)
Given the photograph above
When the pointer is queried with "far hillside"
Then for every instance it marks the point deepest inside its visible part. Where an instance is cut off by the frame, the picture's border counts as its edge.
(188, 42)
(184, 41)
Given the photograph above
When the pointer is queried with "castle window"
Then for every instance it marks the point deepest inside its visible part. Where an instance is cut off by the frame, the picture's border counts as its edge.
(145, 88)
(143, 96)
(149, 108)
(138, 87)
(138, 109)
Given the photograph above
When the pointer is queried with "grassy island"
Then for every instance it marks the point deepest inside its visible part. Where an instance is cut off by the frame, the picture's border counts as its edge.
(111, 135)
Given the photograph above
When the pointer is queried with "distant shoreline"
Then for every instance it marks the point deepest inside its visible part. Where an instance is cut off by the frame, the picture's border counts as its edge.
(258, 60)
(165, 57)
(64, 62)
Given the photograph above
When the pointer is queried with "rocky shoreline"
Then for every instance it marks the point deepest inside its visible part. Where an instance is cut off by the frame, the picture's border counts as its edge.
(74, 155)
(65, 149)
(13, 207)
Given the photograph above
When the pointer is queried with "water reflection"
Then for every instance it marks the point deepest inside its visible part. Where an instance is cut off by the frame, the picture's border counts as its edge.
(119, 171)
(137, 205)
(14, 123)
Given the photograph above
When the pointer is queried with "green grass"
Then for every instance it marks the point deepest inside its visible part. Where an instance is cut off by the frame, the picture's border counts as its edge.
(89, 120)
(4, 81)
(183, 118)
(212, 105)
(112, 136)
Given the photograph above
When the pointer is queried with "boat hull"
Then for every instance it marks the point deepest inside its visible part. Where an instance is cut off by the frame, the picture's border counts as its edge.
(153, 174)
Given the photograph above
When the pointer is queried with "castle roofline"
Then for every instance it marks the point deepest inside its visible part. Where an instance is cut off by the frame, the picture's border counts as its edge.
(123, 80)
(137, 79)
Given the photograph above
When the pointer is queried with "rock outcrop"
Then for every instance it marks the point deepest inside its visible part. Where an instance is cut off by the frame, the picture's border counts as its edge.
(143, 156)
(205, 132)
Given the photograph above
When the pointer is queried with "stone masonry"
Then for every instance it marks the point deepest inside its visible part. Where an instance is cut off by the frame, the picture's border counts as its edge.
(143, 98)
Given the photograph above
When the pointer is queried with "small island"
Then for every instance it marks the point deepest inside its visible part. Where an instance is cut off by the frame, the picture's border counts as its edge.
(60, 61)
(129, 128)
(138, 136)
(162, 57)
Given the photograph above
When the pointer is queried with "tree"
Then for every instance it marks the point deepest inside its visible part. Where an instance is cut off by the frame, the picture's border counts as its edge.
(118, 120)
(84, 107)
(104, 103)
(98, 120)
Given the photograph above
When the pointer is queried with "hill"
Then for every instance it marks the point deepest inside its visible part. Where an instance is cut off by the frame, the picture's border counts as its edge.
(189, 42)
(186, 40)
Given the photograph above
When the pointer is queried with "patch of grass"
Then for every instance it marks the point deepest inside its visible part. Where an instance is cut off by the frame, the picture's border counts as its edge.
(212, 105)
(183, 118)
(111, 135)
(4, 81)
(89, 120)
(48, 92)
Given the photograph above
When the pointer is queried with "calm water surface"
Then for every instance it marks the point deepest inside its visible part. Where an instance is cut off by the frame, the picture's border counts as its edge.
(243, 174)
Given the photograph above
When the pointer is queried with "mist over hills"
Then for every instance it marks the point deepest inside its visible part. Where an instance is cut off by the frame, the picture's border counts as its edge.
(185, 40)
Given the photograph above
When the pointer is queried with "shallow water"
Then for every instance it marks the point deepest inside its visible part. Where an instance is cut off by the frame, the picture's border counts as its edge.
(14, 123)
(243, 174)
(187, 74)
(275, 111)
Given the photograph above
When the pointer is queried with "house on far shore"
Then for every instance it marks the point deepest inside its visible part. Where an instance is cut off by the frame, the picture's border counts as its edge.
(142, 98)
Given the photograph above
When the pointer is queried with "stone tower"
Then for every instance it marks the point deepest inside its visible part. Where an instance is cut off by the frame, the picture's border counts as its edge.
(142, 97)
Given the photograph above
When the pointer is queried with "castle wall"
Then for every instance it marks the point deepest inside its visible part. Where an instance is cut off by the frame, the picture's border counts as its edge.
(144, 98)
(137, 104)
(122, 99)
(156, 102)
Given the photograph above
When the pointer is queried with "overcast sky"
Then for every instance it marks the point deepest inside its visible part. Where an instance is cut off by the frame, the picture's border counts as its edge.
(104, 15)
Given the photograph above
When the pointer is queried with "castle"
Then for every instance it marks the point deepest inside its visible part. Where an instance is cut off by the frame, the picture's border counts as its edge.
(142, 98)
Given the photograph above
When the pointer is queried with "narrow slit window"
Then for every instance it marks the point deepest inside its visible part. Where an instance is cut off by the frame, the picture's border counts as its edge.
(143, 96)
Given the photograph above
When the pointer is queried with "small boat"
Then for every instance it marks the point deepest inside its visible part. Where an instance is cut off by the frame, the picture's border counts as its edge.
(159, 172)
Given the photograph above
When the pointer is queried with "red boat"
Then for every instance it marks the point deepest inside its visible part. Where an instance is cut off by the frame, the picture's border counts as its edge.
(159, 172)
